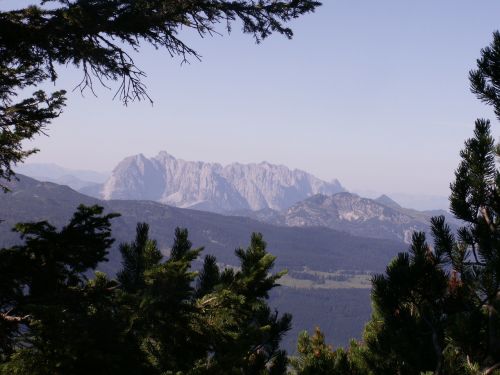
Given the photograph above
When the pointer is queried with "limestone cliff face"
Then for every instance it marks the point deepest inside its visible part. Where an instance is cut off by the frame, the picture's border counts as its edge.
(211, 186)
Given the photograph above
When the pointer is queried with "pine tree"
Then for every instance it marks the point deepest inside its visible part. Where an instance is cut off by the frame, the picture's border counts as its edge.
(246, 333)
(159, 317)
(409, 313)
(209, 276)
(214, 321)
(53, 319)
(447, 299)
(172, 326)
(138, 257)
(475, 252)
(315, 357)
(485, 80)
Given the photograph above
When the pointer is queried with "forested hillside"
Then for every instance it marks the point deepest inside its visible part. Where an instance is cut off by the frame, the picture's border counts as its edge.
(323, 265)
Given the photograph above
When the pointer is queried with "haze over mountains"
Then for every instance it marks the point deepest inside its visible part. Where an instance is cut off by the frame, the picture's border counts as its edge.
(90, 183)
(77, 179)
(269, 193)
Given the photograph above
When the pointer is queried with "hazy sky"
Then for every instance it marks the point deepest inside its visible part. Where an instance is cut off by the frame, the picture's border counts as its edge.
(374, 93)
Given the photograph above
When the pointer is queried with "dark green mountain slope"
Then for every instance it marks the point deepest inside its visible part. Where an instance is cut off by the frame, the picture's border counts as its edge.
(321, 261)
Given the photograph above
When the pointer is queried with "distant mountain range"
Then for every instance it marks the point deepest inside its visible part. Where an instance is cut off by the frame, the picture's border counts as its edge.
(265, 192)
(376, 218)
(76, 179)
(91, 183)
(210, 186)
(421, 202)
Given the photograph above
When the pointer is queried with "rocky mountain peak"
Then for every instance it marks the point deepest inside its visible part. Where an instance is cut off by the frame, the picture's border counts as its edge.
(386, 201)
(211, 186)
(354, 214)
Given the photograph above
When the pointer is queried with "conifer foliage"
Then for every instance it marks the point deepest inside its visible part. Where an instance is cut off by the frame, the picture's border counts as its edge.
(53, 319)
(315, 357)
(159, 316)
(409, 301)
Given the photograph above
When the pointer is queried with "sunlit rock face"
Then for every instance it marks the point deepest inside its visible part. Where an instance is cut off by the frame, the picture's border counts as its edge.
(211, 186)
(357, 215)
